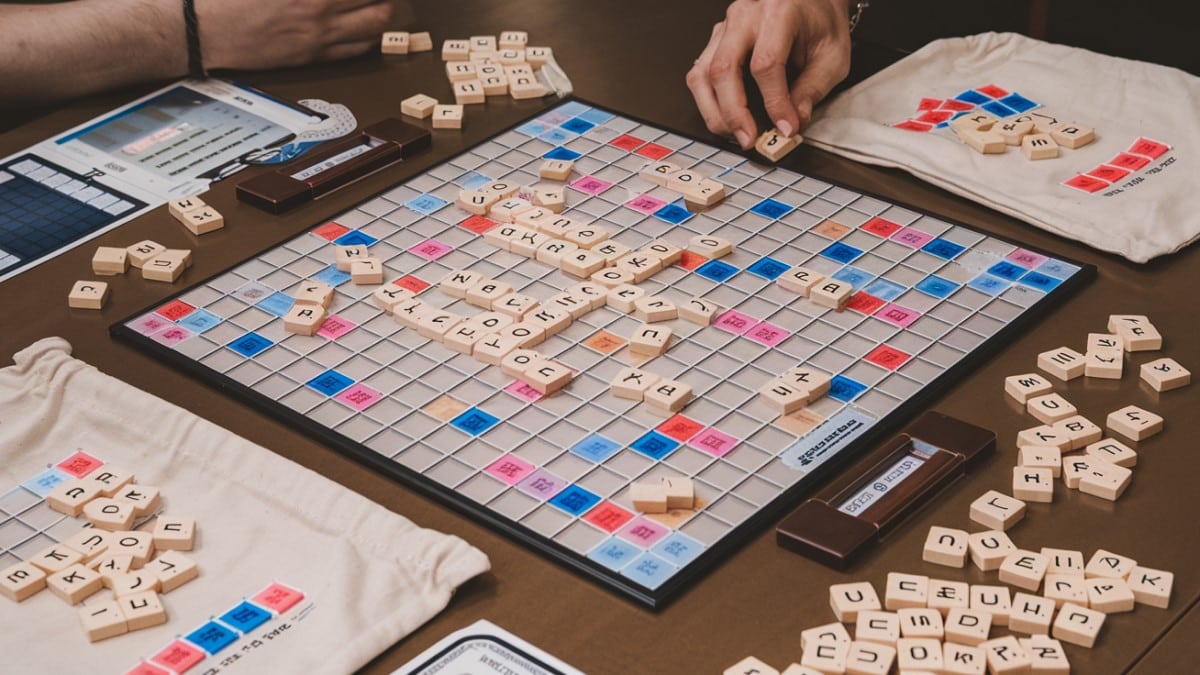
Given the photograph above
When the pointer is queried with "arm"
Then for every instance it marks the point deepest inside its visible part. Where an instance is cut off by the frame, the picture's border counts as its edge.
(69, 49)
(811, 35)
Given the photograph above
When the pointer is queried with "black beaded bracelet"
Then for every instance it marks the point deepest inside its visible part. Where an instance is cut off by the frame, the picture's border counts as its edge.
(195, 61)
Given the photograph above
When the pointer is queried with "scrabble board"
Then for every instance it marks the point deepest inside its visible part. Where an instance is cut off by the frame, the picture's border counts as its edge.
(932, 298)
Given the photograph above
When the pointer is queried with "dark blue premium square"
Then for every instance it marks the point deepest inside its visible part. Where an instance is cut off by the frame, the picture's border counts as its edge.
(330, 382)
(250, 344)
(717, 271)
(474, 421)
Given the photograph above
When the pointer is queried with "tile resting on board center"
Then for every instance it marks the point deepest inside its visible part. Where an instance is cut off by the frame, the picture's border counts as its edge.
(569, 298)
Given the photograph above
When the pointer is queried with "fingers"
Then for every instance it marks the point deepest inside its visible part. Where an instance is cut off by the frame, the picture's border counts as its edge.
(346, 50)
(725, 75)
(361, 23)
(768, 65)
(828, 63)
(701, 88)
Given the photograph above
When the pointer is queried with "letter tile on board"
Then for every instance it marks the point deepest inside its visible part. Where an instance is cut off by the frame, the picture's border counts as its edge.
(650, 340)
(304, 319)
(997, 511)
(138, 545)
(1077, 625)
(698, 311)
(547, 376)
(831, 293)
(800, 280)
(847, 600)
(782, 396)
(21, 580)
(945, 546)
(681, 492)
(314, 293)
(877, 626)
(905, 590)
(648, 497)
(668, 396)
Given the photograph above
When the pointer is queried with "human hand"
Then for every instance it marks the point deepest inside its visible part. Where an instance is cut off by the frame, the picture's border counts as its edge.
(280, 33)
(812, 35)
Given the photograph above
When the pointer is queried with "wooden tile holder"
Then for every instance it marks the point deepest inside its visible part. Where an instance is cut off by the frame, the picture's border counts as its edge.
(948, 447)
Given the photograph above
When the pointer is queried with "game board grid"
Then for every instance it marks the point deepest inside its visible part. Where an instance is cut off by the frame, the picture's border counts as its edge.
(462, 458)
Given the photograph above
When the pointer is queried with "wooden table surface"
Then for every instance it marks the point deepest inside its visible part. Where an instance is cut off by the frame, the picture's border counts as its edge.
(632, 56)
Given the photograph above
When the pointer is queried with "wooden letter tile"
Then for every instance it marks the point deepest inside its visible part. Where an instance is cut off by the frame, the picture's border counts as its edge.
(1023, 387)
(1024, 569)
(968, 626)
(109, 260)
(877, 626)
(669, 396)
(88, 295)
(1077, 625)
(918, 622)
(174, 533)
(102, 620)
(867, 658)
(21, 580)
(1149, 586)
(997, 511)
(74, 584)
(988, 549)
(1165, 374)
(905, 590)
(419, 106)
(847, 600)
(1005, 656)
(1134, 423)
(995, 600)
(945, 546)
(1050, 408)
(142, 610)
(1064, 363)
(1033, 484)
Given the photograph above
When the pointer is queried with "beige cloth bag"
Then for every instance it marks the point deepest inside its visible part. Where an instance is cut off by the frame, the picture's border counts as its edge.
(1121, 99)
(370, 577)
